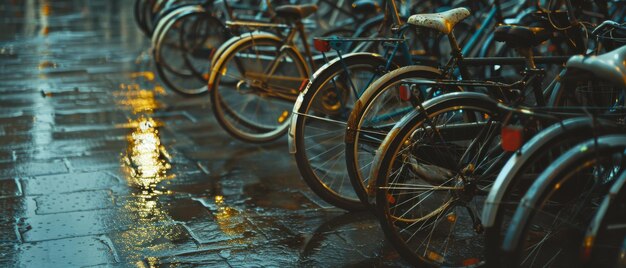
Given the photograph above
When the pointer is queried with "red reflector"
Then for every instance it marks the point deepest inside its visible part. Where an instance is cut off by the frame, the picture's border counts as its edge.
(472, 261)
(405, 93)
(303, 85)
(321, 45)
(511, 138)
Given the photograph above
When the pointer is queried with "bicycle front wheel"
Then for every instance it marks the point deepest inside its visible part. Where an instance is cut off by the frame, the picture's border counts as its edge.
(319, 126)
(254, 87)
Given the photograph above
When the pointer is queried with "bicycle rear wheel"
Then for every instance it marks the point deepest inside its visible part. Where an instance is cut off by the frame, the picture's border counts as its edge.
(431, 171)
(257, 106)
(380, 107)
(185, 50)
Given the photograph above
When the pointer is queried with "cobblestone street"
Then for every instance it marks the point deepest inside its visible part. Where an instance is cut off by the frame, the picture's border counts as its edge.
(100, 165)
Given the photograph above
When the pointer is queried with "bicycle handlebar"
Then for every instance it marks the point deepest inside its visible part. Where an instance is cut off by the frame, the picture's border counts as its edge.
(606, 24)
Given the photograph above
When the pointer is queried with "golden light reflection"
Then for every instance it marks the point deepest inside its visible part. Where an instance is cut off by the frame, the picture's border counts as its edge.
(229, 222)
(44, 11)
(146, 75)
(145, 159)
(140, 100)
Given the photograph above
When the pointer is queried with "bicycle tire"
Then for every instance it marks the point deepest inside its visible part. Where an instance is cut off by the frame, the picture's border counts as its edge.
(241, 126)
(395, 226)
(330, 79)
(353, 166)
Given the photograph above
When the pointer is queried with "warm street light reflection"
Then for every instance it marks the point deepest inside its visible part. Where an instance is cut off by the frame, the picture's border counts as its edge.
(145, 160)
(145, 163)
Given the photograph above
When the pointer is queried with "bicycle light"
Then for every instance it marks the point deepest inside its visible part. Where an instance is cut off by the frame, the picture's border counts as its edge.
(405, 93)
(321, 45)
(512, 138)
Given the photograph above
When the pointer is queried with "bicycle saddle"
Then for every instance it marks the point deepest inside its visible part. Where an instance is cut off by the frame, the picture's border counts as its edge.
(365, 6)
(295, 11)
(521, 36)
(610, 65)
(443, 21)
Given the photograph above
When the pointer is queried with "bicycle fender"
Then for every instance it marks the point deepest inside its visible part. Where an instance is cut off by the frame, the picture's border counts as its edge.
(514, 164)
(297, 108)
(231, 45)
(382, 82)
(551, 174)
(170, 18)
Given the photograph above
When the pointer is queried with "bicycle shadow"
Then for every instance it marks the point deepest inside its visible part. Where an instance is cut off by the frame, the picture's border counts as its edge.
(353, 239)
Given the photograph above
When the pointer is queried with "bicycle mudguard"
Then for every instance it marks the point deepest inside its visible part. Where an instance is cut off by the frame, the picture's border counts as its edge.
(298, 104)
(384, 81)
(170, 18)
(609, 202)
(552, 174)
(515, 163)
(232, 44)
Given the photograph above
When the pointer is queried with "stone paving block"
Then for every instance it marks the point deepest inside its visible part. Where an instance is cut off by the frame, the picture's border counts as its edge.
(256, 255)
(74, 224)
(89, 134)
(10, 188)
(75, 201)
(97, 117)
(225, 223)
(154, 240)
(8, 254)
(192, 259)
(32, 168)
(95, 162)
(8, 233)
(70, 252)
(73, 182)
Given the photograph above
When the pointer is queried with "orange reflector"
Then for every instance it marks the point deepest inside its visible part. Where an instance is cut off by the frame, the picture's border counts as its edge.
(212, 53)
(405, 93)
(391, 199)
(303, 85)
(586, 249)
(283, 117)
(511, 138)
(451, 217)
(321, 45)
(472, 261)
(434, 256)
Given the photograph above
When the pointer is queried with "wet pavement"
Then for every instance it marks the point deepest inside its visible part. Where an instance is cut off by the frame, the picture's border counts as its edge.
(102, 166)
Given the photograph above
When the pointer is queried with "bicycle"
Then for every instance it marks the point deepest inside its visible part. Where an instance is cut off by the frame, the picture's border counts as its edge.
(321, 113)
(364, 131)
(444, 154)
(266, 71)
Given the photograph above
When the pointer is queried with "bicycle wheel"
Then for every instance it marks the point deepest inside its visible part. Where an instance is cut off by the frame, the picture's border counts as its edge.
(549, 224)
(380, 107)
(431, 172)
(184, 53)
(522, 169)
(606, 233)
(319, 125)
(257, 107)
